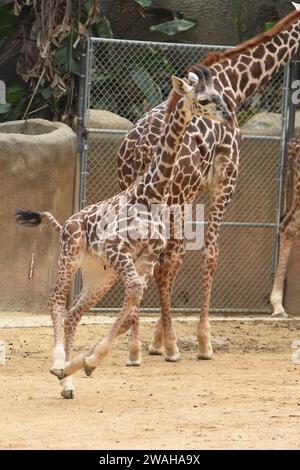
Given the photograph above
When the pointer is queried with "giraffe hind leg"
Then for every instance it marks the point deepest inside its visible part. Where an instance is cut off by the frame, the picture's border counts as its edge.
(71, 255)
(97, 280)
(164, 338)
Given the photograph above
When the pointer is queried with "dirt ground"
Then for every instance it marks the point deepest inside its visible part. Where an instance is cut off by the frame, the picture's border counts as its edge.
(248, 397)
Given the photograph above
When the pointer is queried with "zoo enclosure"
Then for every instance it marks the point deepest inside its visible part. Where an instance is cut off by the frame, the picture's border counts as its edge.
(130, 77)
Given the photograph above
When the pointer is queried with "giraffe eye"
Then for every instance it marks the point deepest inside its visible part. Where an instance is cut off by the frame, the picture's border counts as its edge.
(204, 102)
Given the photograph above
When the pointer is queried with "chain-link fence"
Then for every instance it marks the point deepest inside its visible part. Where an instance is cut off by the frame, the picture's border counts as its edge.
(128, 78)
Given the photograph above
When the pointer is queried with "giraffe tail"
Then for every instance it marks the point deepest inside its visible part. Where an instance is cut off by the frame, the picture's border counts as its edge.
(32, 219)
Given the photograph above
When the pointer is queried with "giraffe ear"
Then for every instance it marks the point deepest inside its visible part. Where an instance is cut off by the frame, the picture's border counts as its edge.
(180, 86)
(296, 5)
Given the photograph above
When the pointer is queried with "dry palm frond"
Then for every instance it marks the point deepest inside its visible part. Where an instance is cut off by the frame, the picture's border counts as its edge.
(52, 22)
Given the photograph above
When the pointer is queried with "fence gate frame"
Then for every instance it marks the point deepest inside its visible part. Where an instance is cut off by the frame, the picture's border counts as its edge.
(291, 73)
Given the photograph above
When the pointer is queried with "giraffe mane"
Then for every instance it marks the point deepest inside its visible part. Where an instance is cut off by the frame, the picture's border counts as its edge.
(173, 99)
(282, 25)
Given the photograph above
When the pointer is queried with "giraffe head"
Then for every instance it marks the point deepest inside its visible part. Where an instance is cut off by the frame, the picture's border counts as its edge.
(200, 95)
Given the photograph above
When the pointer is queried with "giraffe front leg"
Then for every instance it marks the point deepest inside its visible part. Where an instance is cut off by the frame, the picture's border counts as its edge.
(288, 232)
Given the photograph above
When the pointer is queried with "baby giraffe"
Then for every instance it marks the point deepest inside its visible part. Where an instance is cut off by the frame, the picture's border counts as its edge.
(289, 227)
(122, 237)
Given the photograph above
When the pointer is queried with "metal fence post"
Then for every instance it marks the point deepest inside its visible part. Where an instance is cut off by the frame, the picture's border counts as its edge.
(82, 106)
(82, 117)
(294, 75)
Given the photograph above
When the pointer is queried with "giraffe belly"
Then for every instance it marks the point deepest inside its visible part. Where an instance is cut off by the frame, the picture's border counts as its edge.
(97, 274)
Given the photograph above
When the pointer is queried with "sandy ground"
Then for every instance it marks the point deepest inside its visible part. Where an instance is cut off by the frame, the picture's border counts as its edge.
(248, 397)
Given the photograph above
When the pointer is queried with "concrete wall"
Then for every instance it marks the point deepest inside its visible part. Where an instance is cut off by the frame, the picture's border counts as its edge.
(37, 172)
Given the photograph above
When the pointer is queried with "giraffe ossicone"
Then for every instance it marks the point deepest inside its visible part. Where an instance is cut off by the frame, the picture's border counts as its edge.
(103, 259)
(296, 5)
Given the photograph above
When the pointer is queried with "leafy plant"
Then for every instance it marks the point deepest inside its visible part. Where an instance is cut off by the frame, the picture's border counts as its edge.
(171, 27)
(7, 20)
(44, 36)
(137, 82)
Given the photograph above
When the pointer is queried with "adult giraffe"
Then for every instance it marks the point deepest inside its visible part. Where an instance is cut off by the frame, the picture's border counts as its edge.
(209, 158)
(289, 227)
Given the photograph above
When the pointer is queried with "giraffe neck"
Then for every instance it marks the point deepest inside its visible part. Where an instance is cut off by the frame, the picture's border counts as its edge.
(155, 185)
(242, 75)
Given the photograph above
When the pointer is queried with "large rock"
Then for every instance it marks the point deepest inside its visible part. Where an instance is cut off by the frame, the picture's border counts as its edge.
(37, 166)
(266, 124)
(99, 119)
(263, 124)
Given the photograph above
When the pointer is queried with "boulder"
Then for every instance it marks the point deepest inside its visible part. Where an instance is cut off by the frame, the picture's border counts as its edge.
(267, 124)
(98, 119)
(263, 124)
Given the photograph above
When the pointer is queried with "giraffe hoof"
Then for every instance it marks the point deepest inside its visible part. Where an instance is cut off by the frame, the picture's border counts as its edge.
(68, 394)
(282, 314)
(87, 368)
(173, 357)
(153, 351)
(205, 356)
(59, 373)
(131, 362)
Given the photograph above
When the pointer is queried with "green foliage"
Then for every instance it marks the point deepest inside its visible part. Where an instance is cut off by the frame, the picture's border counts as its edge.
(144, 3)
(137, 83)
(7, 20)
(50, 61)
(146, 84)
(172, 27)
(5, 108)
(67, 56)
